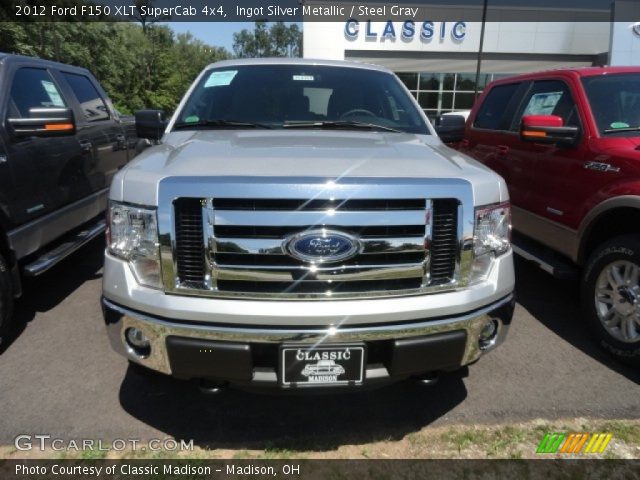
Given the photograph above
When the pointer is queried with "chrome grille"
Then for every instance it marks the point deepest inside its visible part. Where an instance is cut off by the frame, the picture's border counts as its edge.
(244, 254)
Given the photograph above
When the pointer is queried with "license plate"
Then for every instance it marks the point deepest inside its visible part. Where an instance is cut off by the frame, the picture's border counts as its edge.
(308, 366)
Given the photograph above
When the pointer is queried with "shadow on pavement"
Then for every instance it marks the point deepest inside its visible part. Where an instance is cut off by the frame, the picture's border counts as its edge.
(238, 420)
(556, 304)
(45, 292)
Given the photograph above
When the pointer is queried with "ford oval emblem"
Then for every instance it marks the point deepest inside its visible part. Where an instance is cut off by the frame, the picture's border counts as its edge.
(322, 246)
(636, 28)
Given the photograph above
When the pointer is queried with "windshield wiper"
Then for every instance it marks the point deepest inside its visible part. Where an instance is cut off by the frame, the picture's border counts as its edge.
(219, 123)
(340, 124)
(624, 129)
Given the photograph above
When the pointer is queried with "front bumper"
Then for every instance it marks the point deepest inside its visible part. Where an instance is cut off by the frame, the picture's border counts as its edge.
(247, 355)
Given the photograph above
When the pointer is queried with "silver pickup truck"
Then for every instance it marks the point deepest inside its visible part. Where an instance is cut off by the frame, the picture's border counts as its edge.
(295, 213)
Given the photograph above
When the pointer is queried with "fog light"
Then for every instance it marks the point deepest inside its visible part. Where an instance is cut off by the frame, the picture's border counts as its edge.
(488, 334)
(138, 342)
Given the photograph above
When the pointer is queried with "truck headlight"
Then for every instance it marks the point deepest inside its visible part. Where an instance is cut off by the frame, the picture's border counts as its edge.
(491, 238)
(133, 236)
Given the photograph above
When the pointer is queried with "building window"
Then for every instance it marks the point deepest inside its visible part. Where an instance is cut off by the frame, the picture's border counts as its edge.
(409, 79)
(445, 92)
(430, 81)
(464, 101)
(429, 100)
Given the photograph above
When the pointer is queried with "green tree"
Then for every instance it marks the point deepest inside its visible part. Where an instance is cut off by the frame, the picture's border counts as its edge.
(278, 40)
(137, 69)
(146, 20)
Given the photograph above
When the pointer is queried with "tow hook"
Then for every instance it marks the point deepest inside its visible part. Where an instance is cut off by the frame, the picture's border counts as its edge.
(427, 379)
(210, 387)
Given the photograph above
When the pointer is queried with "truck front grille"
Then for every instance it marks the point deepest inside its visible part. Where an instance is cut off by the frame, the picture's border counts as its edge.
(407, 246)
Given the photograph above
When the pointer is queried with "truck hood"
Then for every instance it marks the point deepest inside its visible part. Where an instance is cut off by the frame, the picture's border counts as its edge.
(634, 141)
(621, 152)
(297, 153)
(618, 143)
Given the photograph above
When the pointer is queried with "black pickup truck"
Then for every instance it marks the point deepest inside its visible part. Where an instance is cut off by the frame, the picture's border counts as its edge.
(61, 143)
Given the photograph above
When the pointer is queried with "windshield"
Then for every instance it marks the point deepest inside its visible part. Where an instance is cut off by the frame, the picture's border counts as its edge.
(300, 96)
(615, 102)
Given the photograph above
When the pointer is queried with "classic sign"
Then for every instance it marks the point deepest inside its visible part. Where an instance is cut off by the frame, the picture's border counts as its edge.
(322, 365)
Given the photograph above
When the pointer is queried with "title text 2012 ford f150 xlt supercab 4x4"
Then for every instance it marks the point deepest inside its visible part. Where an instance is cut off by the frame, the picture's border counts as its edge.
(61, 143)
(302, 214)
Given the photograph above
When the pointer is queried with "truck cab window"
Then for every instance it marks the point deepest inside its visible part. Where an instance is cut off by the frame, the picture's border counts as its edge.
(277, 96)
(93, 106)
(34, 88)
(551, 97)
(615, 102)
(495, 113)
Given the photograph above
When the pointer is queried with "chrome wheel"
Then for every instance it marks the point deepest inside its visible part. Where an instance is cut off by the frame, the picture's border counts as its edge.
(617, 300)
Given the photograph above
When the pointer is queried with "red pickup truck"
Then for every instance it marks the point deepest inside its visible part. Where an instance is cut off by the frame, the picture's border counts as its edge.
(568, 144)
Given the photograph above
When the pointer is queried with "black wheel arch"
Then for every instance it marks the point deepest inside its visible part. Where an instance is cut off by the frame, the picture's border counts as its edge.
(9, 257)
(620, 220)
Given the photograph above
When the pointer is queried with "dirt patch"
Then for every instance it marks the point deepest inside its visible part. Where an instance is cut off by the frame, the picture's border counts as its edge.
(519, 440)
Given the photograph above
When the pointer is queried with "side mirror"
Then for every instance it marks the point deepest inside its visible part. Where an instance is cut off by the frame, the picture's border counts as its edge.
(44, 122)
(150, 124)
(547, 129)
(142, 144)
(450, 128)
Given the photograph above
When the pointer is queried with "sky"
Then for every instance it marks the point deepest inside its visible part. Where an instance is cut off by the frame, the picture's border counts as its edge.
(216, 34)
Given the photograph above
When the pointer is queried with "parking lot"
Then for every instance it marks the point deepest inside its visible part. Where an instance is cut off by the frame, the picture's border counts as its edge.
(59, 376)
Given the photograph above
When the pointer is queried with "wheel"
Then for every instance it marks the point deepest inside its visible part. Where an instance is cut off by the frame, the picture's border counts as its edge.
(6, 297)
(610, 297)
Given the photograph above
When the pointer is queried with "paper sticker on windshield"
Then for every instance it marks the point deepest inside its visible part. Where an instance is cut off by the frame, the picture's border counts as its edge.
(303, 78)
(220, 79)
(543, 103)
(620, 125)
(52, 92)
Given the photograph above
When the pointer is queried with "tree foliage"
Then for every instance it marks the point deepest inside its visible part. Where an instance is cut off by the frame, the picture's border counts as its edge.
(143, 64)
(144, 19)
(139, 68)
(278, 40)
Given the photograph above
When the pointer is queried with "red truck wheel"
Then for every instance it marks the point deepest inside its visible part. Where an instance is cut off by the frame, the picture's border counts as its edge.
(6, 297)
(610, 296)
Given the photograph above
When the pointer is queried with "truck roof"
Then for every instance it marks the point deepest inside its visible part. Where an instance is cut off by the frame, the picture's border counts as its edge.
(576, 72)
(6, 58)
(297, 61)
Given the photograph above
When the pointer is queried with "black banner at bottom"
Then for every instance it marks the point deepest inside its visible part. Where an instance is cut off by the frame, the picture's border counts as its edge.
(319, 469)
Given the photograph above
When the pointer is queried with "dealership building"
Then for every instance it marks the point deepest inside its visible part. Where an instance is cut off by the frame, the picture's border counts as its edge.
(438, 60)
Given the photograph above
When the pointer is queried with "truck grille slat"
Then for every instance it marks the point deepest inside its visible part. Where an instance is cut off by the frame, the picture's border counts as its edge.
(444, 245)
(273, 246)
(400, 250)
(189, 243)
(299, 219)
(284, 260)
(363, 231)
(303, 275)
(300, 205)
(320, 288)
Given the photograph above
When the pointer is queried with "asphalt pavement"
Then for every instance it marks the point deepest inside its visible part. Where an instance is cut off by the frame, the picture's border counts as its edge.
(58, 376)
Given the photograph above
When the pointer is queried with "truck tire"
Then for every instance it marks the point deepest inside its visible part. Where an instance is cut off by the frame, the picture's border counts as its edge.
(6, 297)
(610, 297)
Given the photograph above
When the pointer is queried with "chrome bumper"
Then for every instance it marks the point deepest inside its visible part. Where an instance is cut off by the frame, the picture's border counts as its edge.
(118, 319)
